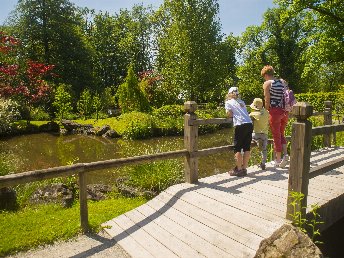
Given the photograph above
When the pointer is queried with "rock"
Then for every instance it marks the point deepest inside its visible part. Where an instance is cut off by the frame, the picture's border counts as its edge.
(49, 127)
(55, 193)
(63, 131)
(288, 241)
(102, 130)
(97, 192)
(70, 125)
(111, 134)
(8, 198)
(129, 191)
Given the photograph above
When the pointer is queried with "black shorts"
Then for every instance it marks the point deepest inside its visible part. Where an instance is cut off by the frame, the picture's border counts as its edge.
(243, 137)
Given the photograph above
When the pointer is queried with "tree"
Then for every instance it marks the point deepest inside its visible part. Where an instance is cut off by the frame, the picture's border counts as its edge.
(63, 101)
(118, 41)
(84, 104)
(190, 57)
(130, 97)
(51, 32)
(97, 104)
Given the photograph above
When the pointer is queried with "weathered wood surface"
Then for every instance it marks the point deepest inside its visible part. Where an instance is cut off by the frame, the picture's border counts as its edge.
(210, 121)
(224, 216)
(38, 175)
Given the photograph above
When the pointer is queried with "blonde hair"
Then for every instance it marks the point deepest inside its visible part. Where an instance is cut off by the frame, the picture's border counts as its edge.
(268, 69)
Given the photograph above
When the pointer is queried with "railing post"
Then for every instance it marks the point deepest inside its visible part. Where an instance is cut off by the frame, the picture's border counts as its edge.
(300, 152)
(190, 142)
(83, 202)
(328, 121)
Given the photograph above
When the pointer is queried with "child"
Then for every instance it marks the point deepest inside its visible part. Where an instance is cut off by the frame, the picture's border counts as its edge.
(260, 117)
(236, 108)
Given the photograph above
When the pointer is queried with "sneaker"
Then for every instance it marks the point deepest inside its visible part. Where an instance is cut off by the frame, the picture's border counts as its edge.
(244, 172)
(236, 172)
(284, 161)
(275, 163)
(262, 166)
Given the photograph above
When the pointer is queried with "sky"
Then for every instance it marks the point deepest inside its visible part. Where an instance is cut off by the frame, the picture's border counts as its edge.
(235, 15)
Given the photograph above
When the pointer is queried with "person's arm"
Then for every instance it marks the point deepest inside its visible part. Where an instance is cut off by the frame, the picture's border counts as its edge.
(229, 113)
(266, 87)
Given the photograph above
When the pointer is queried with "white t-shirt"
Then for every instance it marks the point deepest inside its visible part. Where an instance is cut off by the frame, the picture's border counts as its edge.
(240, 115)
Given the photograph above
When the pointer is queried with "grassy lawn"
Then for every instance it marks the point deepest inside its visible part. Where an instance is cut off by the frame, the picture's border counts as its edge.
(44, 224)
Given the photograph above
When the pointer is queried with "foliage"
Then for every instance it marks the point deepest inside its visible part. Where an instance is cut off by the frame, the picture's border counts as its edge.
(118, 41)
(107, 99)
(9, 112)
(192, 59)
(302, 223)
(169, 119)
(97, 104)
(39, 114)
(130, 96)
(85, 104)
(45, 224)
(63, 101)
(156, 176)
(134, 125)
(51, 32)
(318, 99)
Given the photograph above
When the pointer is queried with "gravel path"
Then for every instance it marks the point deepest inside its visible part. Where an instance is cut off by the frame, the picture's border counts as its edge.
(92, 245)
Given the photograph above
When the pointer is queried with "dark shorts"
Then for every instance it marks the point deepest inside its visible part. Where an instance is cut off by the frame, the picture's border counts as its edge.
(243, 137)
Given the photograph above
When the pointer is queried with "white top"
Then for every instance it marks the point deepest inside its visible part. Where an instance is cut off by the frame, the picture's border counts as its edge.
(240, 115)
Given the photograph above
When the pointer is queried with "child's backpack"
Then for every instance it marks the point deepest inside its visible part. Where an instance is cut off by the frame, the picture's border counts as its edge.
(288, 99)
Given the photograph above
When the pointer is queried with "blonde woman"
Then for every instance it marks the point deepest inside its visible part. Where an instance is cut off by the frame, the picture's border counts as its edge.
(236, 109)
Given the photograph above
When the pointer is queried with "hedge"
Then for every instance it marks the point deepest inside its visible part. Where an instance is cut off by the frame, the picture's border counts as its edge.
(318, 99)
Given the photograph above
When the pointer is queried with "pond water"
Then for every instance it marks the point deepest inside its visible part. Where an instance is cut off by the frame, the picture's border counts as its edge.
(38, 151)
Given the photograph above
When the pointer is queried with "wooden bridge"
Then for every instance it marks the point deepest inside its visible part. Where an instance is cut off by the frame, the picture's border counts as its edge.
(223, 216)
(220, 216)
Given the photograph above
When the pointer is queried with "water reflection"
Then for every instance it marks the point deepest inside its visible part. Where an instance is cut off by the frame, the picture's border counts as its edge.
(38, 151)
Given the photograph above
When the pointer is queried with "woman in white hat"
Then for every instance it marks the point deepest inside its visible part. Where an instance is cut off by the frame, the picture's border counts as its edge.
(260, 118)
(236, 108)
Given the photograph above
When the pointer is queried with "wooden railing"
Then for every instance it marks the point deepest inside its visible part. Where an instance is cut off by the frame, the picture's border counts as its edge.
(300, 153)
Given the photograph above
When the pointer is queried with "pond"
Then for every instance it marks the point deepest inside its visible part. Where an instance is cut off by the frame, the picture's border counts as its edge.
(38, 151)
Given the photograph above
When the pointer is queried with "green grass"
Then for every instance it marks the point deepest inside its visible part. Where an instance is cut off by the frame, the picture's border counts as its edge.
(44, 224)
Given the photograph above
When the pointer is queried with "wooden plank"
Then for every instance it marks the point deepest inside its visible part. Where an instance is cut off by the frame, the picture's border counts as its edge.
(190, 143)
(327, 121)
(183, 233)
(126, 241)
(83, 201)
(217, 223)
(210, 121)
(142, 237)
(229, 246)
(38, 175)
(300, 154)
(333, 164)
(327, 129)
(171, 242)
(252, 223)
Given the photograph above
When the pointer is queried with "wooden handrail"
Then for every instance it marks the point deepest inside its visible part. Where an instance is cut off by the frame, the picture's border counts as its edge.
(327, 129)
(328, 166)
(210, 121)
(38, 175)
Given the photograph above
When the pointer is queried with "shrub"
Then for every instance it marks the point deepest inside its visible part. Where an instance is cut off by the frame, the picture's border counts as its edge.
(9, 112)
(130, 96)
(135, 125)
(38, 114)
(85, 104)
(62, 102)
(169, 119)
(156, 176)
(318, 99)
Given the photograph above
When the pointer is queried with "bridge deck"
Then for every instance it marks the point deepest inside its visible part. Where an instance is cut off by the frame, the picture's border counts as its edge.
(222, 216)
